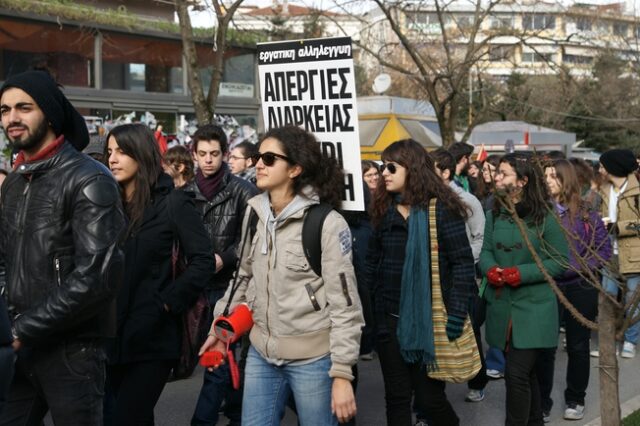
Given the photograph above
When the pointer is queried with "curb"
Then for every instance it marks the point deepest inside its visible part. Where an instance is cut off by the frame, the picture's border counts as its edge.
(626, 408)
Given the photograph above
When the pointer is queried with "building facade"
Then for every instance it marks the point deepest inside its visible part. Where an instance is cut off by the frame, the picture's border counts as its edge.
(109, 69)
(530, 37)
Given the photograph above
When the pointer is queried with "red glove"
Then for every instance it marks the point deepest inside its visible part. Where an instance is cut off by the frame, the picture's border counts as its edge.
(495, 277)
(512, 276)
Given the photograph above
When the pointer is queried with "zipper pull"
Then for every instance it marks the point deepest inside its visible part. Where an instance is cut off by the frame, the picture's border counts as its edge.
(57, 264)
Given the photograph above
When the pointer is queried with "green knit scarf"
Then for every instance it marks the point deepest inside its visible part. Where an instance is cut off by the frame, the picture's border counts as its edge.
(415, 327)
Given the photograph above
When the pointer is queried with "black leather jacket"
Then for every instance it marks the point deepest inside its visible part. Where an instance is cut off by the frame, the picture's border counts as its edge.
(222, 218)
(61, 222)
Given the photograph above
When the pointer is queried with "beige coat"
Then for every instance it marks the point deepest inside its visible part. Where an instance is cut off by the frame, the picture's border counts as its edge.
(627, 224)
(298, 315)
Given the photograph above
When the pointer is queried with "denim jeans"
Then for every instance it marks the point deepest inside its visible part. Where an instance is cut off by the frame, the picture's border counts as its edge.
(610, 285)
(66, 378)
(216, 388)
(268, 387)
(495, 359)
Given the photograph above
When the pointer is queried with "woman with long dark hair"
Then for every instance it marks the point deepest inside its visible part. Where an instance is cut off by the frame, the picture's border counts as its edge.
(590, 249)
(522, 312)
(399, 271)
(306, 333)
(151, 297)
(487, 181)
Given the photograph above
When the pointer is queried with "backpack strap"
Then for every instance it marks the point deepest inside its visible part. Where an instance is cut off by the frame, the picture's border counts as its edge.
(312, 235)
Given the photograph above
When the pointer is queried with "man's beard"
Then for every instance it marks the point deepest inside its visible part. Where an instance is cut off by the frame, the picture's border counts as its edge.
(32, 140)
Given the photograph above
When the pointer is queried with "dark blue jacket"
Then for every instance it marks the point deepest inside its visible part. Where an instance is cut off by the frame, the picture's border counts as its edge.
(385, 260)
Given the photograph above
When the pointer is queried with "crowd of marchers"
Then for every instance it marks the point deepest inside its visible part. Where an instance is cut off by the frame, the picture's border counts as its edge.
(105, 254)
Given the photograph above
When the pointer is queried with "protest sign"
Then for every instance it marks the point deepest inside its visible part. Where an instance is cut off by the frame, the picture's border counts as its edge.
(311, 84)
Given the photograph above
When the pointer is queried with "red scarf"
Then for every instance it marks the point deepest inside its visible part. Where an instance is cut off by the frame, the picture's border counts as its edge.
(46, 152)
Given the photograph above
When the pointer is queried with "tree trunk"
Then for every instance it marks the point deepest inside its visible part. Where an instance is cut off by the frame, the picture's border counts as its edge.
(218, 62)
(203, 111)
(608, 367)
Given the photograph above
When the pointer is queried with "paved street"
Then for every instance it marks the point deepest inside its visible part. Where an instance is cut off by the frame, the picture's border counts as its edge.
(178, 399)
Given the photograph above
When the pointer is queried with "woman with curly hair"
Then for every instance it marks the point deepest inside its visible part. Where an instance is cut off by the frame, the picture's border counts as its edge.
(306, 333)
(399, 271)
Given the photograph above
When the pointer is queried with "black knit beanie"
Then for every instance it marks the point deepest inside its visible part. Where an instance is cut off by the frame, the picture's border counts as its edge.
(619, 162)
(62, 116)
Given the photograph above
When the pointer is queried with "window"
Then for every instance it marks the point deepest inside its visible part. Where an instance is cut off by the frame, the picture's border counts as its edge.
(426, 21)
(535, 57)
(583, 24)
(464, 21)
(577, 59)
(620, 29)
(500, 53)
(501, 22)
(538, 21)
(67, 52)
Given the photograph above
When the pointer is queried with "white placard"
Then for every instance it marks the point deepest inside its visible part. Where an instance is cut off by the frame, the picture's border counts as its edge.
(311, 84)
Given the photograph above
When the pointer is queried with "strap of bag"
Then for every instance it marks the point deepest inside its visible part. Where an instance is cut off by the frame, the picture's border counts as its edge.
(312, 235)
(436, 290)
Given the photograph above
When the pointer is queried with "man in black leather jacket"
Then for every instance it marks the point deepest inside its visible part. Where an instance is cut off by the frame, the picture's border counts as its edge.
(222, 199)
(61, 221)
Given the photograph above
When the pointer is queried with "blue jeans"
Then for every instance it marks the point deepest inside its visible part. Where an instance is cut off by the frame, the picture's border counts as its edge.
(610, 285)
(268, 387)
(495, 359)
(217, 387)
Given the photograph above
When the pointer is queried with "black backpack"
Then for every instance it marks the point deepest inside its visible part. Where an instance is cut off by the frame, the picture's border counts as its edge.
(311, 233)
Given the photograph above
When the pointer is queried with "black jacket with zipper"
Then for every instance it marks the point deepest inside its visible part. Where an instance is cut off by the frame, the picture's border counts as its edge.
(222, 218)
(146, 330)
(61, 222)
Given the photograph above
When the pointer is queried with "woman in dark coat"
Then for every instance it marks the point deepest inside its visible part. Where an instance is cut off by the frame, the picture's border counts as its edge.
(150, 300)
(398, 270)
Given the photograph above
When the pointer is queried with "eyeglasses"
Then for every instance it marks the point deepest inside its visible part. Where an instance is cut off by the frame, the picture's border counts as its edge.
(391, 167)
(235, 157)
(268, 158)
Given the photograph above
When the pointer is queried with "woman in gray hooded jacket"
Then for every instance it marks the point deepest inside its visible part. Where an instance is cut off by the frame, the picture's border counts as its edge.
(306, 332)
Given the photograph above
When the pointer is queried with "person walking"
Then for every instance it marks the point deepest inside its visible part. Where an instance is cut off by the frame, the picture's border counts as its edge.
(522, 311)
(60, 225)
(221, 198)
(621, 213)
(152, 296)
(398, 270)
(306, 333)
(590, 250)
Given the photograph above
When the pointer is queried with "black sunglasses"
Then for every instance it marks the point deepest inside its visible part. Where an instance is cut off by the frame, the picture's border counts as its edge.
(268, 158)
(389, 166)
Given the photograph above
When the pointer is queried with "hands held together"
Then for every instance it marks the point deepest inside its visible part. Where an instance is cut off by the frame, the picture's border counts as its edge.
(498, 277)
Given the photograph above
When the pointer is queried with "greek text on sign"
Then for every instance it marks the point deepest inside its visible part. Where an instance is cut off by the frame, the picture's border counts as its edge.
(311, 84)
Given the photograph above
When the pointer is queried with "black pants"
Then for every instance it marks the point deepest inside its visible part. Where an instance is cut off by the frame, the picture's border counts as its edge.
(585, 299)
(66, 379)
(136, 388)
(523, 392)
(402, 380)
(7, 361)
(478, 315)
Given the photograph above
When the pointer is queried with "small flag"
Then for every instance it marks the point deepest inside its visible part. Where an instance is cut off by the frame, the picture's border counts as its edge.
(482, 154)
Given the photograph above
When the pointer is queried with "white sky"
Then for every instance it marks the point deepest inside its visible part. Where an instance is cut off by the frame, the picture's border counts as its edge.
(207, 18)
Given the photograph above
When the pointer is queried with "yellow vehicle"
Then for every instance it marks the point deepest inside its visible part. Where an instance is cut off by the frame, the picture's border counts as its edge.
(386, 119)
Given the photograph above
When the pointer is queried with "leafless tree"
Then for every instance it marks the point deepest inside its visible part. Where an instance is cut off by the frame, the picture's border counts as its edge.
(205, 106)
